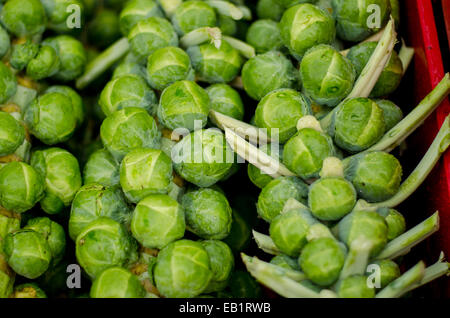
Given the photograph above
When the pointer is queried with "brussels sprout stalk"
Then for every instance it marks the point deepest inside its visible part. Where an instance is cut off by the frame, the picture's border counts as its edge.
(402, 284)
(265, 243)
(245, 49)
(202, 35)
(226, 8)
(357, 258)
(290, 273)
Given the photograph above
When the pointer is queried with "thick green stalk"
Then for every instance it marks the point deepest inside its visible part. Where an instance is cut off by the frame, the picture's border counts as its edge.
(227, 9)
(402, 284)
(202, 35)
(357, 258)
(245, 49)
(265, 243)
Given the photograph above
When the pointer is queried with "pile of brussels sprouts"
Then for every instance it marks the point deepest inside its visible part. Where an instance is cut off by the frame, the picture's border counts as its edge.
(124, 126)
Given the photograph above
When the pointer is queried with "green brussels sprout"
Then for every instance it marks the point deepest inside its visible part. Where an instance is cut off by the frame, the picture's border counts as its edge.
(388, 271)
(127, 129)
(285, 261)
(243, 285)
(46, 63)
(267, 72)
(208, 213)
(275, 194)
(392, 114)
(104, 29)
(145, 171)
(128, 68)
(191, 15)
(61, 172)
(375, 175)
(8, 83)
(59, 13)
(256, 175)
(304, 26)
(269, 9)
(264, 36)
(305, 152)
(157, 221)
(117, 282)
(226, 100)
(22, 54)
(102, 168)
(288, 230)
(364, 224)
(149, 35)
(51, 118)
(391, 75)
(182, 269)
(221, 262)
(23, 17)
(53, 233)
(215, 65)
(28, 290)
(290, 3)
(279, 112)
(127, 91)
(7, 278)
(168, 65)
(183, 103)
(27, 253)
(240, 233)
(395, 222)
(203, 157)
(331, 198)
(94, 201)
(327, 76)
(12, 134)
(5, 42)
(322, 260)
(104, 243)
(357, 124)
(354, 18)
(135, 11)
(395, 11)
(21, 187)
(71, 54)
(355, 287)
(227, 25)
(77, 102)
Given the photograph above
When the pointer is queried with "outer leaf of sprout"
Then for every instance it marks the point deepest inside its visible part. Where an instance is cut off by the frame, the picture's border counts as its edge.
(309, 121)
(202, 35)
(332, 167)
(357, 258)
(403, 243)
(292, 204)
(227, 9)
(406, 55)
(265, 243)
(317, 231)
(169, 6)
(245, 49)
(402, 284)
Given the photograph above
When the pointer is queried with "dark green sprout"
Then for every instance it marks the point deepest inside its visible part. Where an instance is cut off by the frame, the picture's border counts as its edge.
(135, 11)
(226, 100)
(388, 271)
(264, 36)
(128, 68)
(395, 222)
(23, 17)
(5, 42)
(117, 282)
(269, 9)
(221, 262)
(102, 168)
(22, 54)
(12, 134)
(45, 64)
(227, 25)
(59, 13)
(355, 287)
(392, 114)
(8, 83)
(191, 15)
(77, 101)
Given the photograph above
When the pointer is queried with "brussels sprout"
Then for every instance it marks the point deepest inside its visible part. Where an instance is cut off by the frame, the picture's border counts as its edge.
(240, 233)
(104, 29)
(322, 260)
(256, 175)
(208, 213)
(157, 221)
(149, 35)
(221, 262)
(285, 261)
(117, 282)
(143, 172)
(290, 3)
(264, 36)
(267, 72)
(8, 83)
(21, 187)
(5, 43)
(22, 54)
(288, 230)
(127, 129)
(191, 15)
(243, 285)
(355, 287)
(327, 76)
(215, 65)
(94, 201)
(51, 118)
(127, 91)
(279, 112)
(12, 134)
(27, 252)
(355, 19)
(135, 11)
(183, 103)
(102, 168)
(182, 269)
(226, 100)
(388, 271)
(227, 25)
(128, 68)
(28, 290)
(168, 65)
(269, 9)
(71, 55)
(59, 13)
(23, 17)
(395, 222)
(357, 124)
(53, 233)
(203, 157)
(275, 194)
(391, 75)
(392, 114)
(395, 11)
(365, 224)
(45, 64)
(62, 176)
(77, 102)
(104, 243)
(375, 175)
(304, 26)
